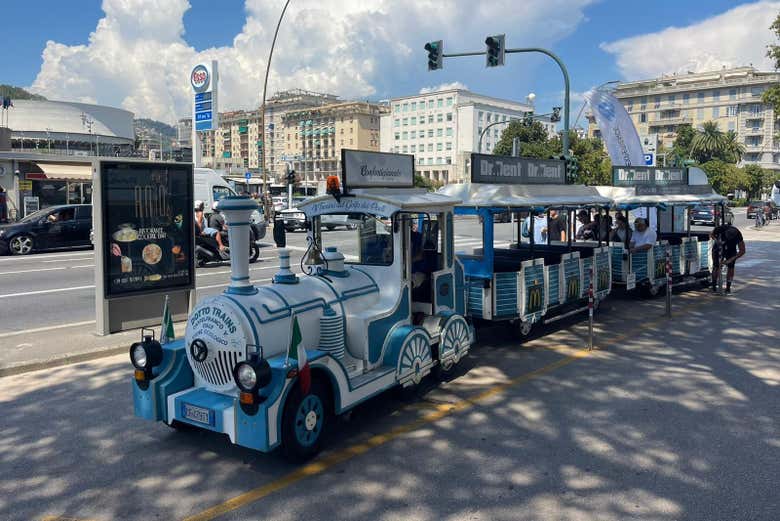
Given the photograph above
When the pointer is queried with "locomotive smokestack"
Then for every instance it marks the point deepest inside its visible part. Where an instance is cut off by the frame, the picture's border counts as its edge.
(237, 211)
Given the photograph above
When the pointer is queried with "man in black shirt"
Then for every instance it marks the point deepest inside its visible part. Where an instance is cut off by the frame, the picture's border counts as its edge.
(556, 228)
(729, 245)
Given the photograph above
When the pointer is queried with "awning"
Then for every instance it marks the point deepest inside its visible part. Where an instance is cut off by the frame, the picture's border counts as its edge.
(63, 172)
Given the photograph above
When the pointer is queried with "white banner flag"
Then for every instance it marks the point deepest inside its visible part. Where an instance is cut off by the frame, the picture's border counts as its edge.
(617, 129)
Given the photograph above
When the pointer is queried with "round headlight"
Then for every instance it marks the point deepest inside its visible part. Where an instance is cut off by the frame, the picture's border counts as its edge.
(138, 356)
(246, 377)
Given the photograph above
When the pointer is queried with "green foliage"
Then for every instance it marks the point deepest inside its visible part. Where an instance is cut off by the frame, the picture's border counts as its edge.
(156, 127)
(724, 177)
(593, 164)
(773, 51)
(771, 96)
(423, 182)
(18, 93)
(682, 143)
(708, 143)
(755, 180)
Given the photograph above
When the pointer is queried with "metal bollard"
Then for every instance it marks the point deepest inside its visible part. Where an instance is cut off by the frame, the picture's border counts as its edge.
(669, 281)
(590, 307)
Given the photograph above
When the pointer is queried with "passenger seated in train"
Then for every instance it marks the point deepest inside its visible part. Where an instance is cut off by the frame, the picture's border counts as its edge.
(643, 237)
(622, 232)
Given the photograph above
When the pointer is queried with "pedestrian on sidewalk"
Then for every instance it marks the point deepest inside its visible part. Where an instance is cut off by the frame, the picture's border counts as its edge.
(729, 246)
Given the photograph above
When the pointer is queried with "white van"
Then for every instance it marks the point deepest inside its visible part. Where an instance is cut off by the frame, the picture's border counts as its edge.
(209, 186)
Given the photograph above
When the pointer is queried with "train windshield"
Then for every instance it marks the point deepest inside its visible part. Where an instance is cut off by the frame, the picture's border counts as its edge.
(361, 238)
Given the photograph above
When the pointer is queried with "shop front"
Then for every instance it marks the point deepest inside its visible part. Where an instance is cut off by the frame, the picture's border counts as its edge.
(42, 185)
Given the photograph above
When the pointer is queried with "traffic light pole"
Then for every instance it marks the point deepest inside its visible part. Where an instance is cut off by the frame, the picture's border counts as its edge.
(565, 137)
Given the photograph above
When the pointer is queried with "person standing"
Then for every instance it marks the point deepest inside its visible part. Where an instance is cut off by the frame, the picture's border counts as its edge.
(556, 227)
(3, 205)
(729, 246)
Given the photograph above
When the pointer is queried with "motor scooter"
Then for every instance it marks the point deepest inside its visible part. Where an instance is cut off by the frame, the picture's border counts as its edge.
(207, 249)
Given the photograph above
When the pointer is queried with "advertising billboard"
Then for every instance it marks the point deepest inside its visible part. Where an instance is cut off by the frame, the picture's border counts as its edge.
(361, 169)
(516, 170)
(147, 223)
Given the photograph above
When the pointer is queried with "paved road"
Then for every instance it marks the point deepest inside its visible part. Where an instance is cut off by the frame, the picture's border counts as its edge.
(667, 420)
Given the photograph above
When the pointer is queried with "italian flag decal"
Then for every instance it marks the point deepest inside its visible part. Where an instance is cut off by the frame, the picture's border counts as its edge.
(298, 353)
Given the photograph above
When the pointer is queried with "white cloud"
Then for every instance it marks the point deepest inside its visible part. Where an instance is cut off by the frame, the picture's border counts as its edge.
(138, 57)
(444, 86)
(734, 38)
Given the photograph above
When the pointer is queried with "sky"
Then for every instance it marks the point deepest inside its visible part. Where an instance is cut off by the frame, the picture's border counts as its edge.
(137, 54)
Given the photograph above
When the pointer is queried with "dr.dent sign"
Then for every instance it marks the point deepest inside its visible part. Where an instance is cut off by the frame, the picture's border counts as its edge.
(204, 79)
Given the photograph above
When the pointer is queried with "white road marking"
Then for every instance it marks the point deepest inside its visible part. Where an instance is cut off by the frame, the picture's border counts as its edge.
(45, 291)
(48, 269)
(60, 261)
(34, 257)
(47, 328)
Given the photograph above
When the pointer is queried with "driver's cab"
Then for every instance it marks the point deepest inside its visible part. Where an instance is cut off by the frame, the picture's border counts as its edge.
(403, 240)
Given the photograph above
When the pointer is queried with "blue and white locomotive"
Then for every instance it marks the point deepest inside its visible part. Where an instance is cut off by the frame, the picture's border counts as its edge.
(380, 310)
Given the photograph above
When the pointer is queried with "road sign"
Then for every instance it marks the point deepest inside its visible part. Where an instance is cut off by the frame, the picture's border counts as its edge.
(248, 176)
(649, 160)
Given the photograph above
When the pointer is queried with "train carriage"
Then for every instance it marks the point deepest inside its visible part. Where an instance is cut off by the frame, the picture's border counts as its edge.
(270, 365)
(669, 214)
(528, 283)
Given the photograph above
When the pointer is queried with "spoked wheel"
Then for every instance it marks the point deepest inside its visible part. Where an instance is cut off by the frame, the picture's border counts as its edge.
(21, 245)
(524, 328)
(453, 346)
(305, 421)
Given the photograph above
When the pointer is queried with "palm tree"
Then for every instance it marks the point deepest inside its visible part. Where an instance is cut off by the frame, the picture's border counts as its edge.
(708, 142)
(733, 150)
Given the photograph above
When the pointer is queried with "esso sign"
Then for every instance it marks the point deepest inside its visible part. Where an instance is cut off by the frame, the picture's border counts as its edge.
(200, 78)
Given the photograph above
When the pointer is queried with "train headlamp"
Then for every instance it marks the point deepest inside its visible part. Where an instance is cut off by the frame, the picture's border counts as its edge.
(253, 373)
(146, 354)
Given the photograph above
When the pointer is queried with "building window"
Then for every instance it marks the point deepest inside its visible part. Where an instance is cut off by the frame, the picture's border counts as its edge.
(643, 117)
(397, 109)
(716, 94)
(439, 132)
(350, 141)
(700, 114)
(643, 104)
(439, 117)
(414, 106)
(430, 132)
(732, 125)
(430, 118)
(700, 97)
(732, 94)
(406, 107)
(430, 147)
(657, 102)
(406, 122)
(731, 110)
(406, 149)
(439, 147)
(756, 91)
(480, 115)
(396, 123)
(439, 161)
(439, 103)
(397, 136)
(488, 117)
(449, 116)
(405, 135)
(420, 161)
(414, 120)
(630, 106)
(715, 112)
(430, 160)
(413, 148)
(686, 98)
(449, 145)
(412, 134)
(449, 102)
(449, 160)
(672, 98)
(449, 131)
(479, 131)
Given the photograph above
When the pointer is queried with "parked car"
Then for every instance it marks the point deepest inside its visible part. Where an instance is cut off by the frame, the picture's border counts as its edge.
(333, 221)
(710, 214)
(53, 228)
(752, 207)
(293, 219)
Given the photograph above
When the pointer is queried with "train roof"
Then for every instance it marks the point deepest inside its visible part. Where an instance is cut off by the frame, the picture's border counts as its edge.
(626, 196)
(379, 201)
(524, 196)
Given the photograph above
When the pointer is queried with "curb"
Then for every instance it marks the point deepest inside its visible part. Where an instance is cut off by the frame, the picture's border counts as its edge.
(26, 367)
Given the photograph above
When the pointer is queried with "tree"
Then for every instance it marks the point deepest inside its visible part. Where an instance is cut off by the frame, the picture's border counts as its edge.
(534, 141)
(423, 182)
(755, 179)
(771, 96)
(733, 150)
(708, 143)
(724, 177)
(682, 143)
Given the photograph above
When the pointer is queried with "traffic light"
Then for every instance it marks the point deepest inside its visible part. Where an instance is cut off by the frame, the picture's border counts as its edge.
(572, 167)
(435, 55)
(496, 47)
(528, 118)
(556, 115)
(291, 177)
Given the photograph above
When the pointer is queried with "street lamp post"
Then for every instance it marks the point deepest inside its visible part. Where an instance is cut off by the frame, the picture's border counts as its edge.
(266, 198)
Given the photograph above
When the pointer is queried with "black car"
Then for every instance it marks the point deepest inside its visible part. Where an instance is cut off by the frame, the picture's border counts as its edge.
(52, 228)
(710, 215)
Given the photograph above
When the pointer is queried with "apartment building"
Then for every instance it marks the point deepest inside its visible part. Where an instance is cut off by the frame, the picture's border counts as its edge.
(730, 97)
(314, 137)
(441, 129)
(276, 108)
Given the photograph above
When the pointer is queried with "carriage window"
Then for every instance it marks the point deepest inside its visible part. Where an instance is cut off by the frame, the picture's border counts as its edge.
(361, 238)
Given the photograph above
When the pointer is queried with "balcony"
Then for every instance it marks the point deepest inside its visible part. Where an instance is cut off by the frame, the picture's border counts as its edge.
(679, 120)
(753, 131)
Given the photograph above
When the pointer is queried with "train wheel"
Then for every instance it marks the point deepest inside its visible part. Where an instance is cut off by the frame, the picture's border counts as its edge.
(524, 328)
(453, 346)
(305, 421)
(414, 361)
